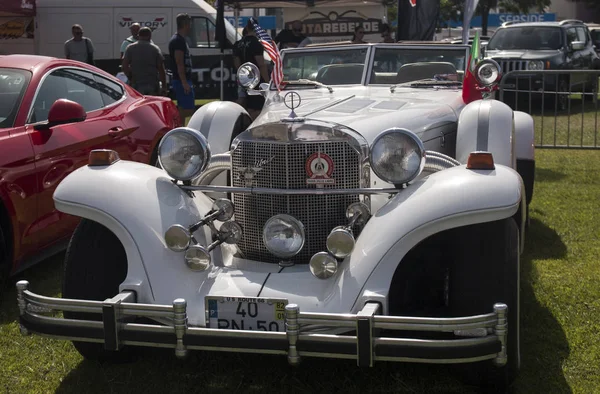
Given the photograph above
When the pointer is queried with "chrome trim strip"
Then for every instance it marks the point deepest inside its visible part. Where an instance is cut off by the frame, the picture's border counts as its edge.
(37, 90)
(295, 192)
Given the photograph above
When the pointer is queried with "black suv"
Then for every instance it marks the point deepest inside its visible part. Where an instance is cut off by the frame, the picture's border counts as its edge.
(535, 46)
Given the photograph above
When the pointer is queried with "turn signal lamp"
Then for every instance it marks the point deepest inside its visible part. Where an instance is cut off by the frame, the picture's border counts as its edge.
(480, 161)
(102, 157)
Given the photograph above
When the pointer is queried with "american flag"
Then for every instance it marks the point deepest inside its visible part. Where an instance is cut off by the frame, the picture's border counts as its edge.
(271, 48)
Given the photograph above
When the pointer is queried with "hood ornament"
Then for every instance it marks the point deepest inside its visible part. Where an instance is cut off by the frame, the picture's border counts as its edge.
(292, 100)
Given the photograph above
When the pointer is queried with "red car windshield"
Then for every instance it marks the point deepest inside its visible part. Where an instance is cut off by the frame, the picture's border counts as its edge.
(13, 83)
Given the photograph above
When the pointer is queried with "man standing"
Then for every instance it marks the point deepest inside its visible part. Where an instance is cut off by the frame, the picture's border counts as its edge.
(79, 48)
(290, 38)
(143, 64)
(249, 49)
(134, 29)
(180, 65)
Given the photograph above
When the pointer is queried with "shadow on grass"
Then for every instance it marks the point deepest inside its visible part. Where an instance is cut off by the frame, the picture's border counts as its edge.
(548, 175)
(544, 348)
(544, 345)
(44, 278)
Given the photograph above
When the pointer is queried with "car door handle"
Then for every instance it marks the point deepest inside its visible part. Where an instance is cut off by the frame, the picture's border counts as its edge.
(115, 131)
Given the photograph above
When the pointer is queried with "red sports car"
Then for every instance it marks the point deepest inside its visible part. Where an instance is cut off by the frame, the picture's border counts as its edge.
(53, 112)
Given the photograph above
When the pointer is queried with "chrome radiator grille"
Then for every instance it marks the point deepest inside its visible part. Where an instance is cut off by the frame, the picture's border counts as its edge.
(282, 165)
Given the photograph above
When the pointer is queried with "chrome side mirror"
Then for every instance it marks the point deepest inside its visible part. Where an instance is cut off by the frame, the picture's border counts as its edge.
(248, 75)
(577, 45)
(263, 88)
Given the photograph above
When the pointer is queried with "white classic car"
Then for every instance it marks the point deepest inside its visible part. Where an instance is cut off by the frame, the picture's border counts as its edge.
(368, 213)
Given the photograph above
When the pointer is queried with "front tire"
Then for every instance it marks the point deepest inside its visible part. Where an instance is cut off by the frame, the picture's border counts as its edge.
(464, 272)
(95, 266)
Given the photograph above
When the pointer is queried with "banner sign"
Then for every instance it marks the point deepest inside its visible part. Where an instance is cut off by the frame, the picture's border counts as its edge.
(11, 28)
(318, 24)
(495, 20)
(266, 22)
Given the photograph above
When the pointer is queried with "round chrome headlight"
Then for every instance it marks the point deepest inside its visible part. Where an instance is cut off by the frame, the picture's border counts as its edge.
(535, 65)
(488, 72)
(397, 156)
(283, 235)
(323, 265)
(248, 75)
(197, 258)
(183, 153)
(340, 242)
(178, 238)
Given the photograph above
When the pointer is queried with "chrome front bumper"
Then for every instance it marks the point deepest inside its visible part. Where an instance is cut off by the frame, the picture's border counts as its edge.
(485, 334)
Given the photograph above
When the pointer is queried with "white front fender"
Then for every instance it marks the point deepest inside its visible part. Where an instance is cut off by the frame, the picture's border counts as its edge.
(486, 125)
(138, 203)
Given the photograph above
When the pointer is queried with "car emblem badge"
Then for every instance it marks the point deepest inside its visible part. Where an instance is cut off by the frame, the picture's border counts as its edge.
(247, 174)
(319, 168)
(292, 100)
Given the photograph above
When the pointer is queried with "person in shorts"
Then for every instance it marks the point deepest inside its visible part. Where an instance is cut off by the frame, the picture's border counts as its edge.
(180, 65)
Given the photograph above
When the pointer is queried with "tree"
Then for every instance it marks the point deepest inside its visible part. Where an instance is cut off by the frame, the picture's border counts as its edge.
(524, 6)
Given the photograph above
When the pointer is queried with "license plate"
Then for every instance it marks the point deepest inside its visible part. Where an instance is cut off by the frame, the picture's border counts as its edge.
(245, 313)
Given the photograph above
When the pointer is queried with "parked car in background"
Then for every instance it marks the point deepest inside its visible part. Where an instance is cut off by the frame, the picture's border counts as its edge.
(53, 112)
(595, 34)
(536, 46)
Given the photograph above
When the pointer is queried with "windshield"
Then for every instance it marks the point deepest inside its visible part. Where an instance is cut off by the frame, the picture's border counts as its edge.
(527, 37)
(329, 67)
(12, 87)
(401, 65)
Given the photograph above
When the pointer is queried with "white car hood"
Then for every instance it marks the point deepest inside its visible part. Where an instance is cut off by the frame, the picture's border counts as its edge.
(370, 110)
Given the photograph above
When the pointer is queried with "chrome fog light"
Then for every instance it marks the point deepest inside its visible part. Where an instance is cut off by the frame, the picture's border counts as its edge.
(178, 238)
(283, 235)
(340, 242)
(197, 258)
(323, 265)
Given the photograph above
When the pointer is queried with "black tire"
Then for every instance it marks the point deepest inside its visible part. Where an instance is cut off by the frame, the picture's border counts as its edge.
(561, 101)
(489, 273)
(526, 168)
(4, 262)
(482, 264)
(95, 266)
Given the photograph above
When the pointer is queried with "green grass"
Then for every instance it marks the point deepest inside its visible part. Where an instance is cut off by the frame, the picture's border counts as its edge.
(560, 286)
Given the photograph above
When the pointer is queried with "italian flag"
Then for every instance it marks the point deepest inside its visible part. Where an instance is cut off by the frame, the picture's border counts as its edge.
(469, 91)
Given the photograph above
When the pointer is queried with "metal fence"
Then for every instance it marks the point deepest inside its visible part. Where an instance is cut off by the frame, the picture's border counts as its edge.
(564, 105)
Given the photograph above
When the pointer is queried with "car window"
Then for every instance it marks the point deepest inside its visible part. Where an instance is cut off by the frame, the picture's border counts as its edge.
(111, 91)
(526, 38)
(400, 65)
(572, 35)
(595, 35)
(71, 84)
(203, 33)
(12, 88)
(331, 67)
(582, 35)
